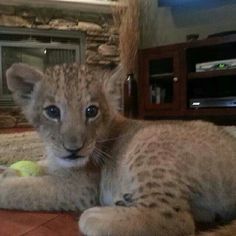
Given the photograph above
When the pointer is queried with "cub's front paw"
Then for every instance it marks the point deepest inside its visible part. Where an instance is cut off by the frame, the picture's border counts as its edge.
(98, 221)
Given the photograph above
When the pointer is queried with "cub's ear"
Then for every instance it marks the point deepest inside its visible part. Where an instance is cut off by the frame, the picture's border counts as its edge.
(113, 85)
(21, 79)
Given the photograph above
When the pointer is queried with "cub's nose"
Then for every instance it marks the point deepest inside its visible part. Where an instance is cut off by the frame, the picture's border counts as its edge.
(74, 153)
(72, 143)
(72, 150)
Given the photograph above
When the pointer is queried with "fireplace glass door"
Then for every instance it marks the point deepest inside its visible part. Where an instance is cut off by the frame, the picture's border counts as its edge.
(39, 56)
(38, 48)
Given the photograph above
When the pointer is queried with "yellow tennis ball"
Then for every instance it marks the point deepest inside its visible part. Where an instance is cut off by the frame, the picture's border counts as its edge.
(26, 168)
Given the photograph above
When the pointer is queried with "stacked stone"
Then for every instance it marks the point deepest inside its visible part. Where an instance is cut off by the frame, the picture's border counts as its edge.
(11, 117)
(101, 35)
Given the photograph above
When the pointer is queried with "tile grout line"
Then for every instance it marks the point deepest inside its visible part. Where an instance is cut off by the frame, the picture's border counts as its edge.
(30, 230)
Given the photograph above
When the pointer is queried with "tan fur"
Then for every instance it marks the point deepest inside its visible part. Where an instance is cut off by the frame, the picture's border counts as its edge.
(157, 178)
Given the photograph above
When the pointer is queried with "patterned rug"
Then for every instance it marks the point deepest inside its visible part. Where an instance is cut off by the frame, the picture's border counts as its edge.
(231, 130)
(27, 146)
(20, 146)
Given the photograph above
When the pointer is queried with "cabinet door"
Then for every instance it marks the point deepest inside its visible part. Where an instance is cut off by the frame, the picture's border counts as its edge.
(159, 81)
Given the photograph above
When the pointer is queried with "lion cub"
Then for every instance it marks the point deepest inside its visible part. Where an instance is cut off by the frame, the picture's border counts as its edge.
(156, 178)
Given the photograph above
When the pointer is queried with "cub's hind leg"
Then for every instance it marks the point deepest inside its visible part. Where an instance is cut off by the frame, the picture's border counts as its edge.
(135, 221)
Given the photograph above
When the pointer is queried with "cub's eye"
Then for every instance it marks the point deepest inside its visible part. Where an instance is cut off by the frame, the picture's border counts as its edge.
(52, 112)
(91, 111)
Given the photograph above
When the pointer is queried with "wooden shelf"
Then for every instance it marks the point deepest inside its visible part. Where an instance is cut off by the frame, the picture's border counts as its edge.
(162, 76)
(211, 74)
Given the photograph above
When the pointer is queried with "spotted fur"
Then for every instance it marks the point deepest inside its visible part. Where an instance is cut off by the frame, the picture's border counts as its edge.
(156, 178)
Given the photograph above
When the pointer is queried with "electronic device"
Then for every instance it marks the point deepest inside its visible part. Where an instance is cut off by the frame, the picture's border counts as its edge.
(222, 34)
(212, 102)
(216, 65)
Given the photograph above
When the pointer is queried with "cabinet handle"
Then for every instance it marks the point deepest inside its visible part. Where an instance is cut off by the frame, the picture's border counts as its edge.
(175, 79)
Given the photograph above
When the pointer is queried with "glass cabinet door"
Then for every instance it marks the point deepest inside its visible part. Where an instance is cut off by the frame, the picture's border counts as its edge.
(162, 85)
(159, 84)
(161, 81)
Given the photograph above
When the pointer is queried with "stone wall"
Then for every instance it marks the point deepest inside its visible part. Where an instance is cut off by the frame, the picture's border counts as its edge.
(101, 39)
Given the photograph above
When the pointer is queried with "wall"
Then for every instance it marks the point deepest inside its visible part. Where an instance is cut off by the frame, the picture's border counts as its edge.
(164, 25)
(101, 44)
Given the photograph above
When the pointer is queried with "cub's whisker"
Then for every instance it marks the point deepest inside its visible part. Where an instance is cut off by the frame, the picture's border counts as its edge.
(98, 158)
(103, 152)
(101, 156)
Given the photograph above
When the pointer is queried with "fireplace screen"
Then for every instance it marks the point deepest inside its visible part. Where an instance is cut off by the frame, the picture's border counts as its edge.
(52, 51)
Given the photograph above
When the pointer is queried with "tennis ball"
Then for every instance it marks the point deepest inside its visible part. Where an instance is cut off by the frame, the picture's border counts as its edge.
(26, 168)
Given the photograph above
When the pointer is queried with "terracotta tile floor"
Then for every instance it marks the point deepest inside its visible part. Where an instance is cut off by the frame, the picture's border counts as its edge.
(18, 223)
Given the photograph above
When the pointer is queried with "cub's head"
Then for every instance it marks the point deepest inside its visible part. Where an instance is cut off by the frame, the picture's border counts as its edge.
(71, 106)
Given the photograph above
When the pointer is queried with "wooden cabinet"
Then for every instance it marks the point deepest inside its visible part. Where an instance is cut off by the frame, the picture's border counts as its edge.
(159, 80)
(173, 85)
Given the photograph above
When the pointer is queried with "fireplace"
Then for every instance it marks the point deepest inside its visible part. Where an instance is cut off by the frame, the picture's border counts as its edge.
(39, 48)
